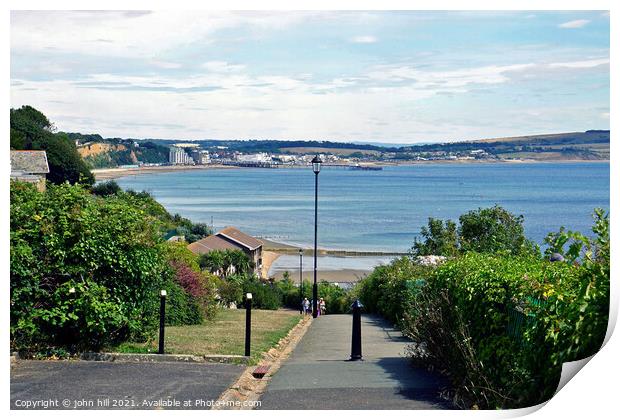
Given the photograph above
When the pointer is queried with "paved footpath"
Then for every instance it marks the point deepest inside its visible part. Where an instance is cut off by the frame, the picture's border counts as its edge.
(113, 385)
(318, 374)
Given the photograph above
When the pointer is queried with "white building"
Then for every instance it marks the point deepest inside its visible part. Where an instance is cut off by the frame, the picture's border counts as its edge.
(255, 158)
(178, 156)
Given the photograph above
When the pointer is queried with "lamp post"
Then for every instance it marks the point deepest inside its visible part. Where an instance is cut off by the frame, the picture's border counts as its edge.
(162, 319)
(301, 282)
(316, 168)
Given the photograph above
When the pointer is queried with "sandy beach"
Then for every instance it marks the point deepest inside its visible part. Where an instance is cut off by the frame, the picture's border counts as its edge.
(112, 173)
(331, 276)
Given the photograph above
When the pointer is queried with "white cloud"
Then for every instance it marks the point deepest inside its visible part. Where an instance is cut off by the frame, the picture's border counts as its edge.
(127, 34)
(574, 24)
(222, 67)
(165, 64)
(585, 64)
(364, 39)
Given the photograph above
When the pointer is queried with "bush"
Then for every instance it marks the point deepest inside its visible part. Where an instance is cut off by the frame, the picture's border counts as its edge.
(389, 289)
(106, 249)
(265, 295)
(501, 325)
(181, 307)
(104, 189)
(199, 286)
(86, 271)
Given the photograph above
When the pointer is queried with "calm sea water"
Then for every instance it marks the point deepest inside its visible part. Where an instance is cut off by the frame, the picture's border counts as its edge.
(380, 210)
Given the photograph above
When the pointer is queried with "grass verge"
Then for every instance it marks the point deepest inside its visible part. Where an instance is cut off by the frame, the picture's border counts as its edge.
(225, 334)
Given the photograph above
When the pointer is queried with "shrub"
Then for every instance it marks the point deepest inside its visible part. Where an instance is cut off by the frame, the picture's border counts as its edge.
(501, 325)
(66, 238)
(265, 295)
(104, 189)
(181, 307)
(389, 289)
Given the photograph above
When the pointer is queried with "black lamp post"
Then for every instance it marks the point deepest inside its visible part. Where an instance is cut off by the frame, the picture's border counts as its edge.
(301, 282)
(316, 167)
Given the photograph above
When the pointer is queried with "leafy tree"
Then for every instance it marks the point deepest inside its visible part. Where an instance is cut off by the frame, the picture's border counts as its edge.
(30, 129)
(221, 261)
(492, 230)
(440, 238)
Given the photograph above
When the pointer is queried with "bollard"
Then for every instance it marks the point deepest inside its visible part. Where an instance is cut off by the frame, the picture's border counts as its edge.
(248, 322)
(356, 337)
(162, 319)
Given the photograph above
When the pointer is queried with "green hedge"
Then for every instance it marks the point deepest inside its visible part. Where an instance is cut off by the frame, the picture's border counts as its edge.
(86, 271)
(500, 325)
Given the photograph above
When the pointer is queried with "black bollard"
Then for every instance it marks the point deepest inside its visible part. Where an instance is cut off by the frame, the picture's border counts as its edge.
(248, 322)
(162, 320)
(356, 337)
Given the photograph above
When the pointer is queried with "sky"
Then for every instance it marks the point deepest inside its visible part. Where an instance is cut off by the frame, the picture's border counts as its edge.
(379, 76)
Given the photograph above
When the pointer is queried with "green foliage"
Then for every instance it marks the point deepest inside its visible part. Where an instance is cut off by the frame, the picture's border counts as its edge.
(86, 270)
(501, 325)
(193, 231)
(440, 238)
(30, 129)
(106, 188)
(226, 262)
(491, 230)
(265, 294)
(575, 319)
(106, 249)
(487, 230)
(181, 308)
(390, 289)
(337, 300)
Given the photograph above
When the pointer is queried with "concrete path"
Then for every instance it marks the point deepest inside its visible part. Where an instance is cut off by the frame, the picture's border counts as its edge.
(118, 385)
(318, 375)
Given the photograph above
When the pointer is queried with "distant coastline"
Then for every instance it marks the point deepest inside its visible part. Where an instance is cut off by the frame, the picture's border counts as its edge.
(104, 174)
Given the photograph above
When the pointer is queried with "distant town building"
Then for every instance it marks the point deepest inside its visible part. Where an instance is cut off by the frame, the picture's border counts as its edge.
(231, 238)
(178, 156)
(30, 166)
(201, 157)
(254, 158)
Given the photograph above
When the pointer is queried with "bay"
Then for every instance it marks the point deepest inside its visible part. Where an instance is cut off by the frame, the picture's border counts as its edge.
(380, 210)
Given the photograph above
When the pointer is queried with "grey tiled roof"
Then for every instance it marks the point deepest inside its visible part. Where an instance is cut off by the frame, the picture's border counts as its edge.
(29, 162)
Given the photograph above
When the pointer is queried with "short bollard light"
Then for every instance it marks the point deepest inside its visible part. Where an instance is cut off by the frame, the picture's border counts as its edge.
(248, 322)
(356, 337)
(162, 318)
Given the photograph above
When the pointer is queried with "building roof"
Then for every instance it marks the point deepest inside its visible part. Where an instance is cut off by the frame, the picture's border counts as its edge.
(227, 238)
(241, 238)
(210, 243)
(29, 162)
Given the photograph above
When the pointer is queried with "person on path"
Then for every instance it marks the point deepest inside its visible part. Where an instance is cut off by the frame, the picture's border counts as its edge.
(306, 304)
(322, 306)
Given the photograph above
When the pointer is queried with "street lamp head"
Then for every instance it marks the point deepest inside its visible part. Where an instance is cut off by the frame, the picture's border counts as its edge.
(301, 251)
(248, 296)
(316, 164)
(162, 293)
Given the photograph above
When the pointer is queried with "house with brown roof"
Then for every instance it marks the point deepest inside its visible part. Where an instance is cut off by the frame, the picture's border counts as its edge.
(30, 166)
(231, 238)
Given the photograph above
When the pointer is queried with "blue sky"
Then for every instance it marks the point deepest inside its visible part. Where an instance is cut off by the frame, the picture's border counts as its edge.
(354, 76)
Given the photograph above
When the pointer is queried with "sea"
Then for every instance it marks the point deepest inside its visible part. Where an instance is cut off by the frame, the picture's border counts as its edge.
(378, 210)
